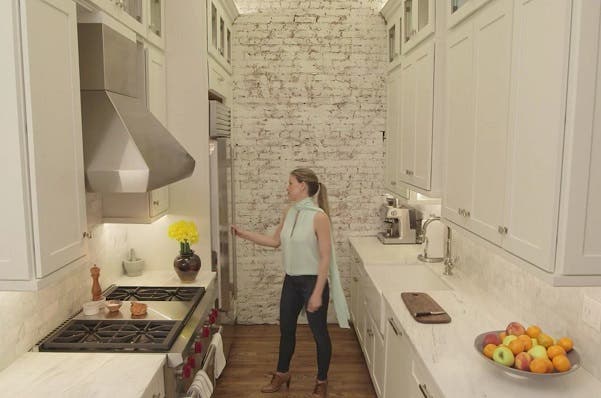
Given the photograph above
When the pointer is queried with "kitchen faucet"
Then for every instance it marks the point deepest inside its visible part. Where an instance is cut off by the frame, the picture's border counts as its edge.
(448, 260)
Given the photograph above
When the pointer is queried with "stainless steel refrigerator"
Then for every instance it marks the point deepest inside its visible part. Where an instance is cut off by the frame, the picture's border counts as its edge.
(222, 209)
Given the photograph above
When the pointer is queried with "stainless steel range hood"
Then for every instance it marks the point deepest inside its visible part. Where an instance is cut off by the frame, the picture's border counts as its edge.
(126, 148)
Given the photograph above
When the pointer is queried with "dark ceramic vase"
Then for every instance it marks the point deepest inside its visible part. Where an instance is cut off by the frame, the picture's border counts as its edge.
(186, 266)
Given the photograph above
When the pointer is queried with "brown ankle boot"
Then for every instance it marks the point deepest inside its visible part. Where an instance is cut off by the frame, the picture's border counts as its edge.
(277, 380)
(321, 389)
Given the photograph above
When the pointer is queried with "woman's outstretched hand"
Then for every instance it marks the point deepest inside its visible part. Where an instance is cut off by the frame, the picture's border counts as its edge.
(314, 303)
(235, 230)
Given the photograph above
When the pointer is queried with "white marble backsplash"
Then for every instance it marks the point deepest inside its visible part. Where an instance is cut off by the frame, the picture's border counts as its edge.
(557, 310)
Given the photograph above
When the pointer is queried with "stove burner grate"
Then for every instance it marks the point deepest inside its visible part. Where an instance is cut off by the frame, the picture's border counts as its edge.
(95, 335)
(140, 293)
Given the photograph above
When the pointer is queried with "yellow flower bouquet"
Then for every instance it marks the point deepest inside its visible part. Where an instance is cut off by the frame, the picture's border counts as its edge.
(185, 233)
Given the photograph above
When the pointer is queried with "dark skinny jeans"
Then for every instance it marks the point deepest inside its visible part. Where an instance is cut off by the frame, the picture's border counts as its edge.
(295, 294)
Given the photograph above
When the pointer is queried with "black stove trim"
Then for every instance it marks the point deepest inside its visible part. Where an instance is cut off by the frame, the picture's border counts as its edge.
(50, 345)
(196, 297)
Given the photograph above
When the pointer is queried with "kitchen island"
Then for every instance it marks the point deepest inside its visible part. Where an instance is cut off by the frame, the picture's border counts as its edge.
(446, 351)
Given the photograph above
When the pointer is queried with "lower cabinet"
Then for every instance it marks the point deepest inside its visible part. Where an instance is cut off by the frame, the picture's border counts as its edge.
(358, 313)
(397, 374)
(156, 388)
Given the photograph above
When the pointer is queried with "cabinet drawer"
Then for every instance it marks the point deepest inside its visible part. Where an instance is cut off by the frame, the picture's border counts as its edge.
(219, 80)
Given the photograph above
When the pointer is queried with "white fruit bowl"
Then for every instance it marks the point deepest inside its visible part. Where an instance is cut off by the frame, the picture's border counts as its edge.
(573, 356)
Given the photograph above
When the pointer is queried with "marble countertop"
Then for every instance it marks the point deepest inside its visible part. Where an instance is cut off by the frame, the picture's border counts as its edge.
(447, 349)
(49, 374)
(371, 251)
(76, 374)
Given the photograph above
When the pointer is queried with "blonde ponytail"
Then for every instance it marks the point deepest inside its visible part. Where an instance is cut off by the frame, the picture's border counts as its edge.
(309, 177)
(322, 199)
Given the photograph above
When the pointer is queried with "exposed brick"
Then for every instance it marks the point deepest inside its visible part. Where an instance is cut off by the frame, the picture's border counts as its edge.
(308, 90)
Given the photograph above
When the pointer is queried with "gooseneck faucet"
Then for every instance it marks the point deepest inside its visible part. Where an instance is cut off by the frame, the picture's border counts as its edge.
(447, 260)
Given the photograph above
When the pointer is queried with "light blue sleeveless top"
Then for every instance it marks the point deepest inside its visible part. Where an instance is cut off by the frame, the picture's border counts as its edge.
(301, 252)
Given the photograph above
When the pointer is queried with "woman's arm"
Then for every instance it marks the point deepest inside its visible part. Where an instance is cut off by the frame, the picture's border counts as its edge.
(322, 230)
(260, 239)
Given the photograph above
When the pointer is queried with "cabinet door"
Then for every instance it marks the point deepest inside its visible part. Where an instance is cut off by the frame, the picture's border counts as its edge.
(419, 21)
(379, 362)
(398, 361)
(159, 201)
(157, 93)
(491, 74)
(460, 125)
(541, 42)
(15, 237)
(156, 23)
(417, 116)
(51, 77)
(369, 340)
(358, 303)
(393, 91)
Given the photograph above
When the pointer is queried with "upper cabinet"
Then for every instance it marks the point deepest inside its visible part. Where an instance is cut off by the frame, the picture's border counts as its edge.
(414, 127)
(221, 15)
(458, 10)
(418, 22)
(44, 208)
(521, 148)
(156, 22)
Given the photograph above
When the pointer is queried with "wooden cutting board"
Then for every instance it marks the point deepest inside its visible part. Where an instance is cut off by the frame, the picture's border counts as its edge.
(422, 302)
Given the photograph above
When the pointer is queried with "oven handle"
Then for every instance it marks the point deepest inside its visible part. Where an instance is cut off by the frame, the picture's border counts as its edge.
(209, 357)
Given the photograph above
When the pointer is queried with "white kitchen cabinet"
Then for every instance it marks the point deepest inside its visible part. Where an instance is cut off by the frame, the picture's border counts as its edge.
(416, 122)
(221, 15)
(397, 379)
(418, 22)
(156, 387)
(393, 14)
(391, 164)
(541, 43)
(44, 214)
(579, 242)
(130, 13)
(374, 353)
(478, 74)
(156, 22)
(358, 313)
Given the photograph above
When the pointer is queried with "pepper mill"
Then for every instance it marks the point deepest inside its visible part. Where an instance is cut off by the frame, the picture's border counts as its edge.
(96, 291)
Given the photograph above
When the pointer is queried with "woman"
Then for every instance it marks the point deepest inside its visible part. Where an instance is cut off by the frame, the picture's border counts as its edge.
(305, 236)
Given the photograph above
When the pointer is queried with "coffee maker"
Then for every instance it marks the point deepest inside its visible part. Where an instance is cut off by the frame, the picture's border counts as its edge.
(400, 224)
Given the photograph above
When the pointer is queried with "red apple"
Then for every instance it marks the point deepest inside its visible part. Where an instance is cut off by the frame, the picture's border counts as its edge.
(522, 361)
(515, 328)
(491, 338)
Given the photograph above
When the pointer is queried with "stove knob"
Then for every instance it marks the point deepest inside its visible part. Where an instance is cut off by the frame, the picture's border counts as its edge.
(205, 331)
(212, 319)
(215, 312)
(191, 362)
(198, 347)
(187, 371)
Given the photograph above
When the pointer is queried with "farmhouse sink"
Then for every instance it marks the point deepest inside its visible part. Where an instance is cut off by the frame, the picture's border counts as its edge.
(396, 279)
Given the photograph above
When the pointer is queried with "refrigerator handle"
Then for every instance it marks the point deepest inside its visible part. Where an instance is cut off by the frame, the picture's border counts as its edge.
(213, 261)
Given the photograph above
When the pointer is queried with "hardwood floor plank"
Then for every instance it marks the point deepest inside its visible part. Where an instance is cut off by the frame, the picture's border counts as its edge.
(254, 353)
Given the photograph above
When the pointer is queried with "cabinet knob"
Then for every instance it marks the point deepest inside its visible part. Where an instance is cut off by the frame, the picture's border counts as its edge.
(87, 235)
(156, 202)
(394, 328)
(461, 212)
(392, 182)
(505, 230)
(424, 390)
(467, 213)
(355, 279)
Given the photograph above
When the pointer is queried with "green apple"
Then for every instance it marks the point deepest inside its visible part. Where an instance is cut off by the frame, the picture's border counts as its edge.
(503, 355)
(538, 351)
(508, 339)
(534, 342)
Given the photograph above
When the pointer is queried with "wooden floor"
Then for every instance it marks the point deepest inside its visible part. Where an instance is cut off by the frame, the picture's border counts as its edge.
(255, 351)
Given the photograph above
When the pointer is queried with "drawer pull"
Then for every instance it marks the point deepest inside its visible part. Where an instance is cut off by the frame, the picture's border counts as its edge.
(394, 328)
(355, 279)
(424, 391)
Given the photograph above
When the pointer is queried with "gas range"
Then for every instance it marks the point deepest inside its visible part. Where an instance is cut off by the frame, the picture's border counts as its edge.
(179, 322)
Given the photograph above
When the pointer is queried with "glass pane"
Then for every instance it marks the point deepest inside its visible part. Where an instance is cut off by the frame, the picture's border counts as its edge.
(391, 43)
(155, 16)
(422, 13)
(229, 46)
(221, 35)
(214, 25)
(134, 8)
(457, 4)
(408, 19)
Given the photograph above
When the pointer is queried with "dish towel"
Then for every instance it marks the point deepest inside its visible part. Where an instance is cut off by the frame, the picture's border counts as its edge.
(217, 341)
(201, 386)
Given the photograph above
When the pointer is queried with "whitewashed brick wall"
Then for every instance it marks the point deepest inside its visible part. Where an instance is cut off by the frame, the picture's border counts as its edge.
(308, 90)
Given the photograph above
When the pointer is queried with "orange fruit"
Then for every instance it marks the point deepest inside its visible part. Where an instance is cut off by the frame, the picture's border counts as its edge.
(549, 365)
(566, 343)
(561, 363)
(533, 331)
(502, 335)
(538, 365)
(526, 340)
(545, 340)
(516, 346)
(488, 350)
(555, 350)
